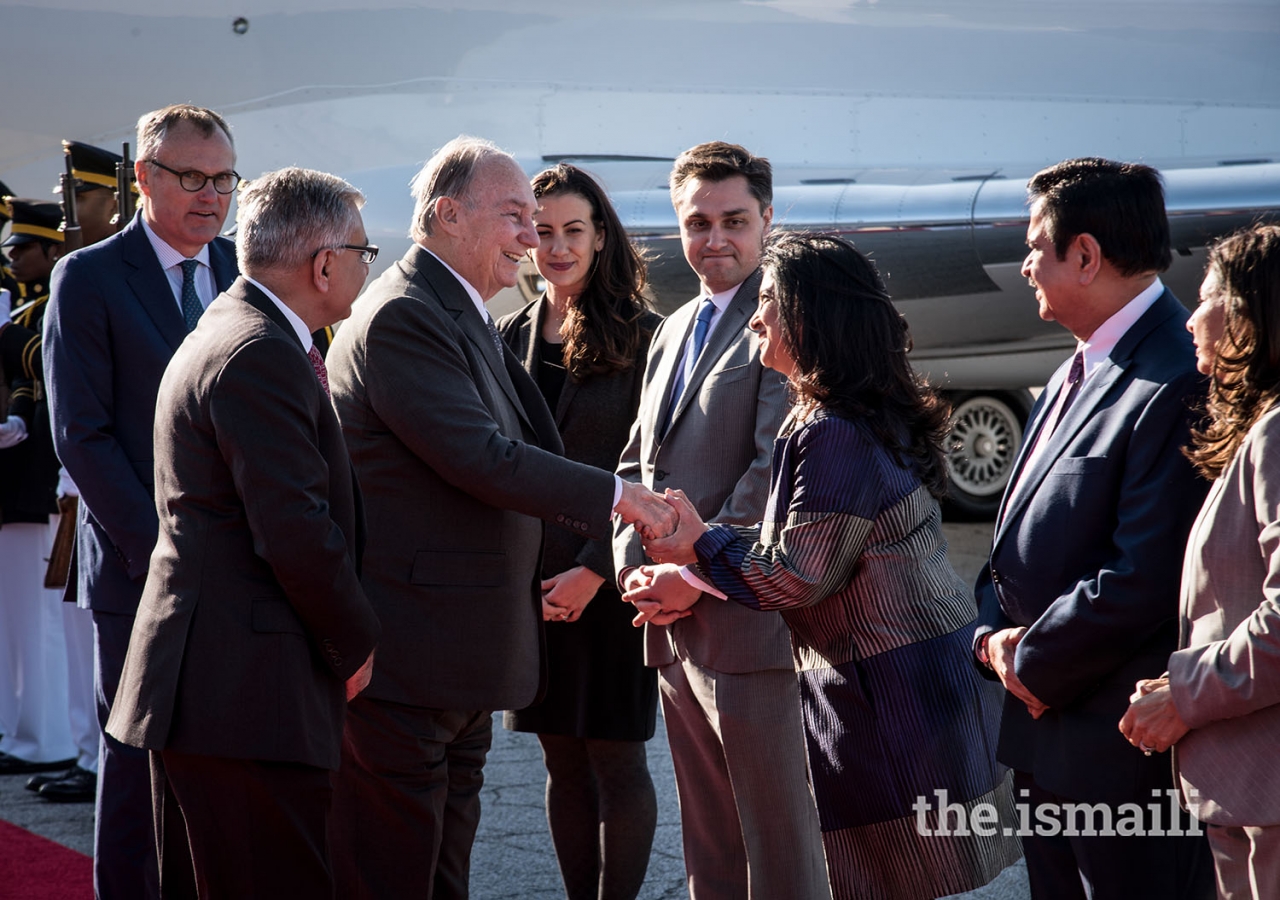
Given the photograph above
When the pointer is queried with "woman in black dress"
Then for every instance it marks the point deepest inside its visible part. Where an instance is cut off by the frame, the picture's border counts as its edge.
(585, 341)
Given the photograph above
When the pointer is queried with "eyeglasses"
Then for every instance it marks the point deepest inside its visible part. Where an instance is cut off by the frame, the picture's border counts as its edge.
(367, 253)
(193, 181)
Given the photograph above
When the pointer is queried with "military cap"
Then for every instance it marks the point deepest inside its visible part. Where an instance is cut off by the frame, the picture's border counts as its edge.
(92, 167)
(33, 220)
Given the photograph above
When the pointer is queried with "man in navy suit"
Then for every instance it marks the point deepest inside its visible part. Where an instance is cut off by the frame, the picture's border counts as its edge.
(1079, 598)
(119, 310)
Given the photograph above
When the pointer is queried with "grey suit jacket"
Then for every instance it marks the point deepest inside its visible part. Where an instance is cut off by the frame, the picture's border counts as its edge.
(1226, 679)
(252, 617)
(717, 450)
(458, 460)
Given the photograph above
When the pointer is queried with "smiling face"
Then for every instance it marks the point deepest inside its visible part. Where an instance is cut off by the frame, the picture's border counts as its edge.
(493, 227)
(722, 230)
(568, 241)
(1054, 280)
(774, 351)
(1206, 322)
(184, 220)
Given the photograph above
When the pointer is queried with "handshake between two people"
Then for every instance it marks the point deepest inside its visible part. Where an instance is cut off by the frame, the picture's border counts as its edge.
(659, 592)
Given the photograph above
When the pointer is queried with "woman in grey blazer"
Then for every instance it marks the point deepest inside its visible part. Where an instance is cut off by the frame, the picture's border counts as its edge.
(1219, 703)
(585, 342)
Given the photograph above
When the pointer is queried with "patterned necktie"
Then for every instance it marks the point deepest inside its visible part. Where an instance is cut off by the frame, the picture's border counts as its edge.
(1074, 377)
(700, 329)
(191, 305)
(493, 334)
(317, 363)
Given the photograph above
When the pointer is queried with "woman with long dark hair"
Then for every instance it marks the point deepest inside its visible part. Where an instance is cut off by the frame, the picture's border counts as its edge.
(897, 718)
(584, 342)
(1218, 705)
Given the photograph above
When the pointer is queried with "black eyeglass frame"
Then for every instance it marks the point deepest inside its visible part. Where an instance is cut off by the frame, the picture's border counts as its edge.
(368, 252)
(204, 179)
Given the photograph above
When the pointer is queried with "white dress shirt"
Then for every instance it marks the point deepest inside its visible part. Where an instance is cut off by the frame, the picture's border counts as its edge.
(171, 261)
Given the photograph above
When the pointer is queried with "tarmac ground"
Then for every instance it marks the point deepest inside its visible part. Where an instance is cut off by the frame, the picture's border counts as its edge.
(513, 857)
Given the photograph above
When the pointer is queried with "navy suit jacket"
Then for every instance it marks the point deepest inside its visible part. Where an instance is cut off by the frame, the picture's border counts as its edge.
(1088, 555)
(111, 328)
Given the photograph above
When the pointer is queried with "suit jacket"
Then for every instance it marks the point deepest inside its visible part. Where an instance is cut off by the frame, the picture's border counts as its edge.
(458, 458)
(593, 418)
(717, 449)
(1086, 556)
(111, 328)
(1226, 677)
(252, 617)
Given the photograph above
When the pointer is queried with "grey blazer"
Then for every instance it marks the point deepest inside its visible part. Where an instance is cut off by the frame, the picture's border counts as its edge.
(718, 450)
(459, 462)
(1226, 679)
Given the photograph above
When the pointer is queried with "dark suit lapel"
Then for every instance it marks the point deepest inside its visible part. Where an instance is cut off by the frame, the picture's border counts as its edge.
(455, 300)
(1096, 388)
(150, 285)
(241, 289)
(222, 260)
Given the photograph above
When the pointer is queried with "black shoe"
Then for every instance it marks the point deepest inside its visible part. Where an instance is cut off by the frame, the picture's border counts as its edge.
(79, 786)
(11, 765)
(35, 782)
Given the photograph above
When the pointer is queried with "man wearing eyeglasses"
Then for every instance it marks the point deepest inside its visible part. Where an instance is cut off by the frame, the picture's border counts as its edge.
(119, 310)
(253, 621)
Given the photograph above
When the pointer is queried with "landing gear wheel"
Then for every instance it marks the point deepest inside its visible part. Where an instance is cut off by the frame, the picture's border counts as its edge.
(986, 435)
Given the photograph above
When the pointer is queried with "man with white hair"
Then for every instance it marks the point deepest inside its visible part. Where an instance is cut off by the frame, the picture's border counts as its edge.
(253, 620)
(460, 463)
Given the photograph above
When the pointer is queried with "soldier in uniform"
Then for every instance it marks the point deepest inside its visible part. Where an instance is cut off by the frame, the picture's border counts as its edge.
(94, 171)
(33, 667)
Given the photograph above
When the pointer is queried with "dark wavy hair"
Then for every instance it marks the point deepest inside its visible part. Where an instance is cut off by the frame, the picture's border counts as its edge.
(604, 327)
(850, 347)
(1246, 370)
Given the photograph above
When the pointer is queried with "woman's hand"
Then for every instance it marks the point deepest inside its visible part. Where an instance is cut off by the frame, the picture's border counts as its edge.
(566, 595)
(678, 546)
(1152, 723)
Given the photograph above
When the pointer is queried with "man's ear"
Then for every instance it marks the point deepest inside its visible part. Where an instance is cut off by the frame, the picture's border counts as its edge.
(1087, 255)
(320, 270)
(446, 213)
(143, 176)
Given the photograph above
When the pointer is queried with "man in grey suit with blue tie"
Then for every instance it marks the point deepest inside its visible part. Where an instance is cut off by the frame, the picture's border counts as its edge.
(709, 413)
(118, 311)
(1079, 598)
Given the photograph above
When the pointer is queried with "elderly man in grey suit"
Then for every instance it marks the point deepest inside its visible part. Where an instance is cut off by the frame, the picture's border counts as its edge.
(460, 463)
(709, 413)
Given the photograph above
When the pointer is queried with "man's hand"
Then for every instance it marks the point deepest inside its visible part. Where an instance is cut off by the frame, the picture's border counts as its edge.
(360, 680)
(566, 595)
(659, 594)
(678, 546)
(1152, 723)
(652, 516)
(1002, 648)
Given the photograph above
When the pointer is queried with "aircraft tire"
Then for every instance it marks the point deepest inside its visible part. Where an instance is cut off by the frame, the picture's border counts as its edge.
(986, 435)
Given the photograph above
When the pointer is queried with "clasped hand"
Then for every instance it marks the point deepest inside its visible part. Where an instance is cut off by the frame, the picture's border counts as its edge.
(659, 592)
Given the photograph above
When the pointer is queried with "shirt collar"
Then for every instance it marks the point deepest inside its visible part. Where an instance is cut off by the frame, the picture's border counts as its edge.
(299, 326)
(1108, 334)
(722, 300)
(466, 286)
(167, 255)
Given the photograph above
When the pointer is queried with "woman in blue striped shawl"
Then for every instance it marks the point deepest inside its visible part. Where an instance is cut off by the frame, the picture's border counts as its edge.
(851, 552)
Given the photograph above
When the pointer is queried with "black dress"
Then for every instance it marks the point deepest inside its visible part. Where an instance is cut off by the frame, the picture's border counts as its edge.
(597, 683)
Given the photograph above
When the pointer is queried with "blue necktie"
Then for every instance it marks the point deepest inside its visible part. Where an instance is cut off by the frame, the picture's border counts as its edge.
(191, 305)
(700, 329)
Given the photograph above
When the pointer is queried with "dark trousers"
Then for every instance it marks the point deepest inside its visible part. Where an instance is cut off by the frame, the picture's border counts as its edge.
(124, 845)
(407, 800)
(240, 829)
(1116, 867)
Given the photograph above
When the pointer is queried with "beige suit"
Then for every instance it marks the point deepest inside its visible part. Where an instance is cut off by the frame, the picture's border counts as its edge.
(1226, 679)
(729, 694)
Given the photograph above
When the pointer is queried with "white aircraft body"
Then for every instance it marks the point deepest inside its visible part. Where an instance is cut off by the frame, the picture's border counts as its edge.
(911, 126)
